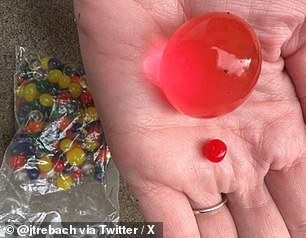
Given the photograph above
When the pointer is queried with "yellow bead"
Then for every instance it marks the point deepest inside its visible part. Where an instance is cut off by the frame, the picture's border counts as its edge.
(44, 63)
(91, 145)
(45, 164)
(20, 91)
(66, 144)
(76, 156)
(64, 182)
(46, 100)
(91, 114)
(75, 90)
(54, 75)
(64, 81)
(81, 116)
(30, 92)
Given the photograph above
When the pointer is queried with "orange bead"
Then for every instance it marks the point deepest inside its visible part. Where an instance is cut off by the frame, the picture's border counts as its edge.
(75, 79)
(34, 127)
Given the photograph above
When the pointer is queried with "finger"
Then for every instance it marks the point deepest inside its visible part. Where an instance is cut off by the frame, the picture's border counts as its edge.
(295, 64)
(288, 188)
(171, 207)
(218, 223)
(256, 214)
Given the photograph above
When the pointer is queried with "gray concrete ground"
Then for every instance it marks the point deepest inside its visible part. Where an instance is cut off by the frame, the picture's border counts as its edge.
(48, 27)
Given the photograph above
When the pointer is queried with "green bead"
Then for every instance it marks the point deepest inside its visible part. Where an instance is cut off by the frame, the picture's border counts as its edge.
(36, 105)
(72, 110)
(43, 86)
(15, 150)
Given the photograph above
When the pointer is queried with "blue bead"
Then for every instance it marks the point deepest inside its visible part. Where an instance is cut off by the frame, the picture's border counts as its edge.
(33, 173)
(27, 148)
(54, 63)
(80, 71)
(23, 112)
(19, 148)
(69, 168)
(20, 138)
(25, 108)
(100, 177)
(77, 127)
(53, 90)
(100, 174)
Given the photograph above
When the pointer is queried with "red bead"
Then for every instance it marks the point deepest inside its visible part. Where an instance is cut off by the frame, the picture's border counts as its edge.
(86, 98)
(102, 156)
(63, 123)
(70, 134)
(210, 65)
(58, 165)
(215, 150)
(77, 175)
(56, 146)
(64, 96)
(21, 80)
(95, 131)
(95, 128)
(17, 161)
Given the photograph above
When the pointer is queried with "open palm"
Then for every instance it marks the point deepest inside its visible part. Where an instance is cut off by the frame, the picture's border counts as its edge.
(158, 150)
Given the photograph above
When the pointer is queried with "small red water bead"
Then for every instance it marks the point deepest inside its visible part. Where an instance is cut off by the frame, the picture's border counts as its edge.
(17, 161)
(70, 134)
(210, 65)
(215, 150)
(77, 175)
(58, 165)
(63, 123)
(34, 127)
(64, 96)
(86, 98)
(102, 156)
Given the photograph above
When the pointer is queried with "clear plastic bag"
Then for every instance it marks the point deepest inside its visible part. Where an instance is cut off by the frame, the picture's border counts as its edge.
(58, 166)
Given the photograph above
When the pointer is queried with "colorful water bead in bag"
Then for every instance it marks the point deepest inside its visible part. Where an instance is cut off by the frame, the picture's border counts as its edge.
(61, 139)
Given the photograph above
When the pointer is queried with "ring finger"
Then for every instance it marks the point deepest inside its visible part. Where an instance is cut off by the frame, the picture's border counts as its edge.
(217, 223)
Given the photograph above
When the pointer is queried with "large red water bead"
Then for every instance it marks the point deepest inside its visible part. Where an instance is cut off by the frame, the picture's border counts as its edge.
(215, 150)
(210, 65)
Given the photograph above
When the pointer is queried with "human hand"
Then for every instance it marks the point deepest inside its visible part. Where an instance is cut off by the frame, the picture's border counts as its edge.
(157, 149)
